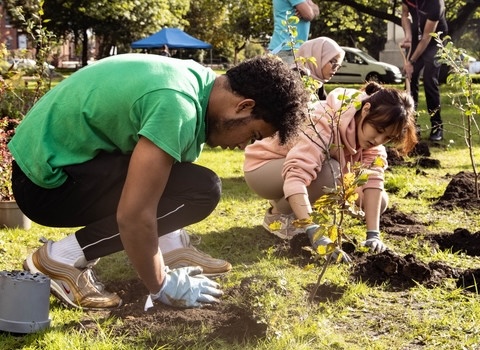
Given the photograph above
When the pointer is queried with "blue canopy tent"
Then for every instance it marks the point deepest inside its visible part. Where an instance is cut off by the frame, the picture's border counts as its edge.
(174, 38)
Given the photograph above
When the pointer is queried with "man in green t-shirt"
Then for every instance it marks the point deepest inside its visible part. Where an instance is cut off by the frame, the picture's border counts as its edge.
(110, 149)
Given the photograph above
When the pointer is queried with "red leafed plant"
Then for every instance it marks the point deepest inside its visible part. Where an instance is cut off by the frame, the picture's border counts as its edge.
(7, 129)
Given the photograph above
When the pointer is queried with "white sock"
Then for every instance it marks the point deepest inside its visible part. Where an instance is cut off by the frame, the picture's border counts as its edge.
(68, 251)
(170, 241)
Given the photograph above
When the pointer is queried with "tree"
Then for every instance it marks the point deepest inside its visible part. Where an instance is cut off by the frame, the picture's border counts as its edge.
(350, 27)
(115, 22)
(458, 12)
(249, 20)
(230, 25)
(119, 23)
(206, 20)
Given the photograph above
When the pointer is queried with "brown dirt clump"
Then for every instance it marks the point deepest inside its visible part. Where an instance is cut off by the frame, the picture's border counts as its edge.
(401, 272)
(460, 193)
(460, 241)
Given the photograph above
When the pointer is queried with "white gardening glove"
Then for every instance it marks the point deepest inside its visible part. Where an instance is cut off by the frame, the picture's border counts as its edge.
(338, 255)
(374, 242)
(186, 287)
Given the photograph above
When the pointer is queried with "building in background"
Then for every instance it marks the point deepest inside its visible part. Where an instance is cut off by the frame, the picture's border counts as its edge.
(15, 39)
(391, 53)
(9, 35)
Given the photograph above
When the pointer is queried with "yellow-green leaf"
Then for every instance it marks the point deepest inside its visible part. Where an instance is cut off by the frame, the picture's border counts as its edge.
(275, 226)
(379, 162)
(333, 233)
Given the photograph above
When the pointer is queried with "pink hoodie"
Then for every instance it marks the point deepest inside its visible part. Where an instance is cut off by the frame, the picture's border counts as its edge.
(304, 158)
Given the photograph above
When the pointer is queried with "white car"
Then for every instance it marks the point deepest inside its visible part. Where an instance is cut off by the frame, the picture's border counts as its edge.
(359, 67)
(29, 65)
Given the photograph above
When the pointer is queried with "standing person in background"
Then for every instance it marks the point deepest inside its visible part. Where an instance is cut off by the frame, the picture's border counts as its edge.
(164, 51)
(306, 10)
(328, 58)
(428, 16)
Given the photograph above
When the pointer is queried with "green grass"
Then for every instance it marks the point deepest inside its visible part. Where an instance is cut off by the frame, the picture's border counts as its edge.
(362, 317)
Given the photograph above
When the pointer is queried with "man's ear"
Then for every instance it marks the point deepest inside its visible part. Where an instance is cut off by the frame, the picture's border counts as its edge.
(247, 103)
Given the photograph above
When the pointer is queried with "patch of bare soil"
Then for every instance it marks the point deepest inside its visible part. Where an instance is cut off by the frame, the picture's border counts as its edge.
(460, 241)
(396, 223)
(225, 321)
(421, 154)
(236, 323)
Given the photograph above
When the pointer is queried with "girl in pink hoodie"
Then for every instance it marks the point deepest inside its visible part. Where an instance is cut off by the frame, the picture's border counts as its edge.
(293, 176)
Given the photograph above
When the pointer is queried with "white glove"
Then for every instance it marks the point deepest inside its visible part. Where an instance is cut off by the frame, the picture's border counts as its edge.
(337, 254)
(186, 287)
(374, 242)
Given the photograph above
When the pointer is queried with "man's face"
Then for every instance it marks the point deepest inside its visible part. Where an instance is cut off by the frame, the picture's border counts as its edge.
(240, 132)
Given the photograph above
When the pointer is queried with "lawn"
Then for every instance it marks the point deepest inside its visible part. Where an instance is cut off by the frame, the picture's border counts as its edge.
(265, 304)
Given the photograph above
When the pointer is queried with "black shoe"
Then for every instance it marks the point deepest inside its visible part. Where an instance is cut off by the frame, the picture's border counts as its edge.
(436, 134)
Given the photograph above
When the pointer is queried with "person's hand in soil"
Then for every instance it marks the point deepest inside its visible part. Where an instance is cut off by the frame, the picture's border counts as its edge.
(338, 255)
(186, 287)
(374, 243)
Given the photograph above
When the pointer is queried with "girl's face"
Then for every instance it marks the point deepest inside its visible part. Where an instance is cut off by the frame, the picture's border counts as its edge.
(331, 67)
(368, 135)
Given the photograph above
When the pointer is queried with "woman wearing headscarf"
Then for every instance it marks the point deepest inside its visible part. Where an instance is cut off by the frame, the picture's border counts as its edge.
(328, 56)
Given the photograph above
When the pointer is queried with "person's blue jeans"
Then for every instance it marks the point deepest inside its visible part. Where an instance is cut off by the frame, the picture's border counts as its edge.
(91, 194)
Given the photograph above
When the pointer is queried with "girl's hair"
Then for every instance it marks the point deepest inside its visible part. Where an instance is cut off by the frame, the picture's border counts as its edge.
(389, 106)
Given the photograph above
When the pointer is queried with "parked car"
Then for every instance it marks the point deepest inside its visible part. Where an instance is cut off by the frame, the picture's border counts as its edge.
(359, 67)
(27, 65)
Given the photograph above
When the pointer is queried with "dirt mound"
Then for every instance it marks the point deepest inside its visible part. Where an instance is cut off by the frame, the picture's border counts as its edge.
(421, 152)
(460, 241)
(397, 223)
(470, 280)
(401, 272)
(460, 192)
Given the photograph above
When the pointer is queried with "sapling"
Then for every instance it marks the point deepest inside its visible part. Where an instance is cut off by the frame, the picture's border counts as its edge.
(465, 99)
(330, 209)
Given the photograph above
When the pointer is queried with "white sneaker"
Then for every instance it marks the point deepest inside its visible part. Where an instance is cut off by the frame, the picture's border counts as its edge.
(281, 225)
(188, 255)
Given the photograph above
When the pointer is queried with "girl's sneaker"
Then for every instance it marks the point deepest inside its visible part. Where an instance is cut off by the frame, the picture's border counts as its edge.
(281, 225)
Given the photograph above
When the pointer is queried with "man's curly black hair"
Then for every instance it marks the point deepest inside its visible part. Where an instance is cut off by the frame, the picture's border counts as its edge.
(279, 94)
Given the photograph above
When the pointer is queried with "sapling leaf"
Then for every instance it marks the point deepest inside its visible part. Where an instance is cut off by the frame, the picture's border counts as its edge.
(333, 233)
(326, 249)
(302, 222)
(379, 162)
(348, 179)
(275, 226)
(293, 20)
(362, 179)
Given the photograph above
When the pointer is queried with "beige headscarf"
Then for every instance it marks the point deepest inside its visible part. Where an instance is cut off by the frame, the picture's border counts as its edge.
(323, 49)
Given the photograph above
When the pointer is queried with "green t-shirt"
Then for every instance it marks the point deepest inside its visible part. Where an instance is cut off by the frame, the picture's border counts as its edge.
(107, 106)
